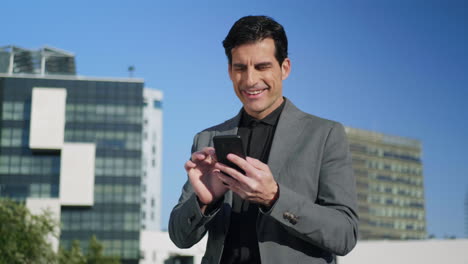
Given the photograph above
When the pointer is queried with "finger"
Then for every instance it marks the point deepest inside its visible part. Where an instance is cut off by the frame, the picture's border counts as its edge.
(203, 154)
(227, 180)
(232, 184)
(189, 165)
(238, 189)
(197, 156)
(242, 163)
(231, 172)
(257, 163)
(209, 151)
(238, 181)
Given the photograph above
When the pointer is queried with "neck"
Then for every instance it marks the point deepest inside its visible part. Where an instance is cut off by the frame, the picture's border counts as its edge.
(266, 112)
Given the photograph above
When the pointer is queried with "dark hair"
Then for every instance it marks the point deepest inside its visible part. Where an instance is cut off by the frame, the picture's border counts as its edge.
(250, 29)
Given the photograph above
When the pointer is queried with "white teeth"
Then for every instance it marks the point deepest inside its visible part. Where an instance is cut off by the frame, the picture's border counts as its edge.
(254, 92)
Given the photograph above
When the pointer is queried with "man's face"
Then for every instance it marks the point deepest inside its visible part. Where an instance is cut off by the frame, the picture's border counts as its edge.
(257, 77)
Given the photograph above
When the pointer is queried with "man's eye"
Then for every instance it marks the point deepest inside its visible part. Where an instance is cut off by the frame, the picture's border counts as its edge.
(263, 67)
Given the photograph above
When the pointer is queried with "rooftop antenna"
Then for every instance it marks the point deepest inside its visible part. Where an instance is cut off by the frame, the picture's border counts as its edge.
(131, 69)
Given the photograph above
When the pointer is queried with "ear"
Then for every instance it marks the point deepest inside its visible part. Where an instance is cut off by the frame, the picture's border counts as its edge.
(230, 71)
(285, 68)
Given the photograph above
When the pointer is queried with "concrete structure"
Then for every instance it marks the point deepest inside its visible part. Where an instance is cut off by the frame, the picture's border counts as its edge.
(47, 125)
(390, 188)
(77, 162)
(408, 252)
(157, 248)
(152, 160)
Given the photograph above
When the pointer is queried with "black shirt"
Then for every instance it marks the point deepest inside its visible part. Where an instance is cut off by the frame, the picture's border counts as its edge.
(241, 243)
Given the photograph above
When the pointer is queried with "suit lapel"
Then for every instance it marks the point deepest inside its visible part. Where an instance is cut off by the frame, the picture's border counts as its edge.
(286, 134)
(229, 127)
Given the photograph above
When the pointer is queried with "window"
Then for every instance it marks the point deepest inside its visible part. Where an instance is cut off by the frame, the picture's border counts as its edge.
(157, 104)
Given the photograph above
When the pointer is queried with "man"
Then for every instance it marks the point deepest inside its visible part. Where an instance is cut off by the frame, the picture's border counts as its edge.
(296, 201)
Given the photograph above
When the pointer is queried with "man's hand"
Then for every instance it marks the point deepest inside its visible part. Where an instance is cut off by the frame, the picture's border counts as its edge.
(203, 176)
(257, 185)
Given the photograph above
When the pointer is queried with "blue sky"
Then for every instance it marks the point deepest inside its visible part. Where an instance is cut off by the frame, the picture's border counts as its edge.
(396, 67)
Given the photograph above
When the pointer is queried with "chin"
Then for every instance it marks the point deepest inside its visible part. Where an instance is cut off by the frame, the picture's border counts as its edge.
(255, 107)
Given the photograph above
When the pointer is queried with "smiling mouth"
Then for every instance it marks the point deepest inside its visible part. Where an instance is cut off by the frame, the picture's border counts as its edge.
(255, 92)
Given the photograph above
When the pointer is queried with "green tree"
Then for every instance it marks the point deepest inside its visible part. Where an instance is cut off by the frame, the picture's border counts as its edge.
(24, 239)
(24, 236)
(95, 254)
(72, 256)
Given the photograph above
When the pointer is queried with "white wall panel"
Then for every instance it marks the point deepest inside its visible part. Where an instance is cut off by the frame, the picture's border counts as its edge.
(407, 252)
(77, 174)
(47, 118)
(38, 205)
(152, 159)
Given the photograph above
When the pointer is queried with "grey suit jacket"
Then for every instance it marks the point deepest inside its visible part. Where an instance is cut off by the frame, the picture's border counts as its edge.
(315, 216)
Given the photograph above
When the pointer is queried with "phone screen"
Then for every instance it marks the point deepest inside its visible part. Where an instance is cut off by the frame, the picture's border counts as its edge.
(228, 144)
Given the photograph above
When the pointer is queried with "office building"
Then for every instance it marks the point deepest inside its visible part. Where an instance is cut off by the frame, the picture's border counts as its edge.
(46, 60)
(74, 144)
(389, 178)
(152, 160)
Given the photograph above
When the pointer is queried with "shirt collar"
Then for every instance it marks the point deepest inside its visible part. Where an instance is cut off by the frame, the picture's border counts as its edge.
(271, 119)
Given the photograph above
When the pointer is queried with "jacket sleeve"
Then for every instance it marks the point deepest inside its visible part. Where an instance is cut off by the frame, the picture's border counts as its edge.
(331, 221)
(187, 224)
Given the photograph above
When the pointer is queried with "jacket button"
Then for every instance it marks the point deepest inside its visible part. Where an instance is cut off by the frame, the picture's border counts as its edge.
(293, 221)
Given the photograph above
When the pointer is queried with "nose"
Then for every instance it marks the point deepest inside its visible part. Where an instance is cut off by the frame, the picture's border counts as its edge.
(251, 77)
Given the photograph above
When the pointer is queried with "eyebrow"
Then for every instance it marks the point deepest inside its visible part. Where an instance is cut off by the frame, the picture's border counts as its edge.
(239, 65)
(261, 64)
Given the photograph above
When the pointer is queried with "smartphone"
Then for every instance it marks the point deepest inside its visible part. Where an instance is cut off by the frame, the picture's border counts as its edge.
(229, 144)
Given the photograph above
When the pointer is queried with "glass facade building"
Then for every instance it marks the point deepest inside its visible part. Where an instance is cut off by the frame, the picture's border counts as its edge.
(389, 179)
(46, 60)
(104, 112)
